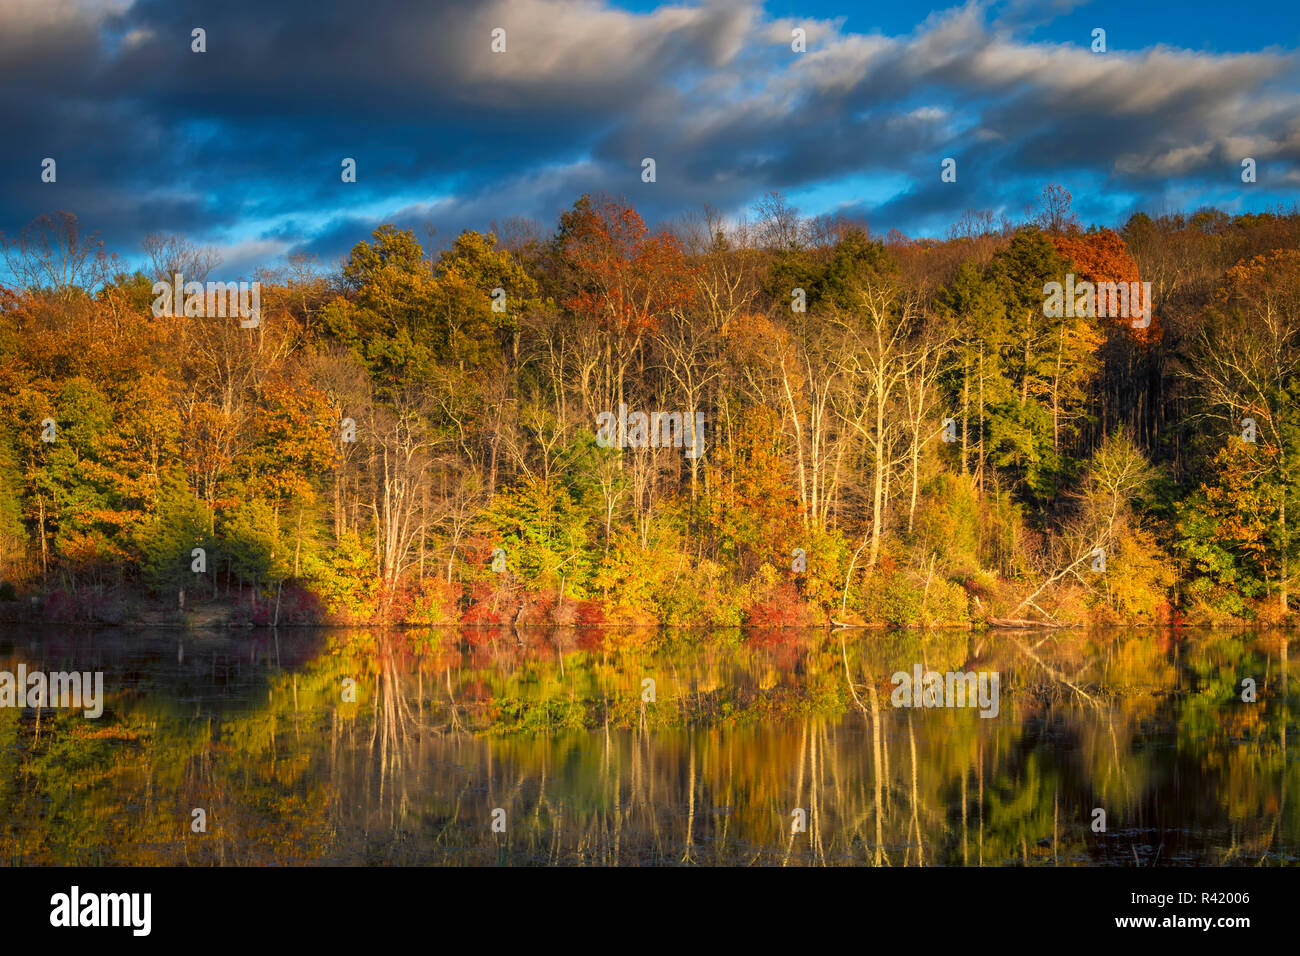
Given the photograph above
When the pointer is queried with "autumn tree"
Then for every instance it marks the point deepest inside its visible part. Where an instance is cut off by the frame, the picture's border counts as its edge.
(1247, 366)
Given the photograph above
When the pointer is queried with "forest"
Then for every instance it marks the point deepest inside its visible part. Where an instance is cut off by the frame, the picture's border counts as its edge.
(896, 432)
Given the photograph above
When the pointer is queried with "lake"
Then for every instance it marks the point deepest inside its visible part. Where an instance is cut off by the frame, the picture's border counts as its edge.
(624, 747)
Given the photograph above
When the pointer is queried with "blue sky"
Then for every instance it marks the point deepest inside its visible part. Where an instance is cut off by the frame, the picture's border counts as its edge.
(1192, 25)
(240, 147)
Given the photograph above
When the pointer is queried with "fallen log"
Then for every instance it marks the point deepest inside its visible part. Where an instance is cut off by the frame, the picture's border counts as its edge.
(1020, 624)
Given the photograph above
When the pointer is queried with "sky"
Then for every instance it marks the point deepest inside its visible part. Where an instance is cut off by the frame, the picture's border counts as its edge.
(241, 147)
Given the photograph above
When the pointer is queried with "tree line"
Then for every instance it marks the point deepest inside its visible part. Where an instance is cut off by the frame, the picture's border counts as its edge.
(896, 431)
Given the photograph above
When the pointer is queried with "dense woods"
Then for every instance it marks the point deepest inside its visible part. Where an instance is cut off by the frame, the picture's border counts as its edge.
(895, 431)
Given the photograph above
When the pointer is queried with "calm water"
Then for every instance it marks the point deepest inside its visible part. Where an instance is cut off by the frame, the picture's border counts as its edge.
(551, 735)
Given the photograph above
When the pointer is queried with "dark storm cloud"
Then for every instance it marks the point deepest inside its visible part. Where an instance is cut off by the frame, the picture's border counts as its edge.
(242, 145)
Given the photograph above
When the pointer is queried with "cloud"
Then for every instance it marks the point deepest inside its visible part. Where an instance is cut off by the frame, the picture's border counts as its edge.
(241, 146)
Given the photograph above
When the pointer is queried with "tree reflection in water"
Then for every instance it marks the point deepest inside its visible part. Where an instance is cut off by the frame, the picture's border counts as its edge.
(550, 726)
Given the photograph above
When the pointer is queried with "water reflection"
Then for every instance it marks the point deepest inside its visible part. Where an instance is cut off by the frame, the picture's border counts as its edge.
(626, 747)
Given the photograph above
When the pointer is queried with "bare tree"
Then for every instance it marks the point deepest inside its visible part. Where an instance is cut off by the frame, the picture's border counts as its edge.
(883, 359)
(1054, 210)
(919, 389)
(51, 254)
(781, 227)
(172, 254)
(1117, 474)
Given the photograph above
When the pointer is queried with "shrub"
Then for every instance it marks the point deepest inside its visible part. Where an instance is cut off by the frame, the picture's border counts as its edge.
(431, 601)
